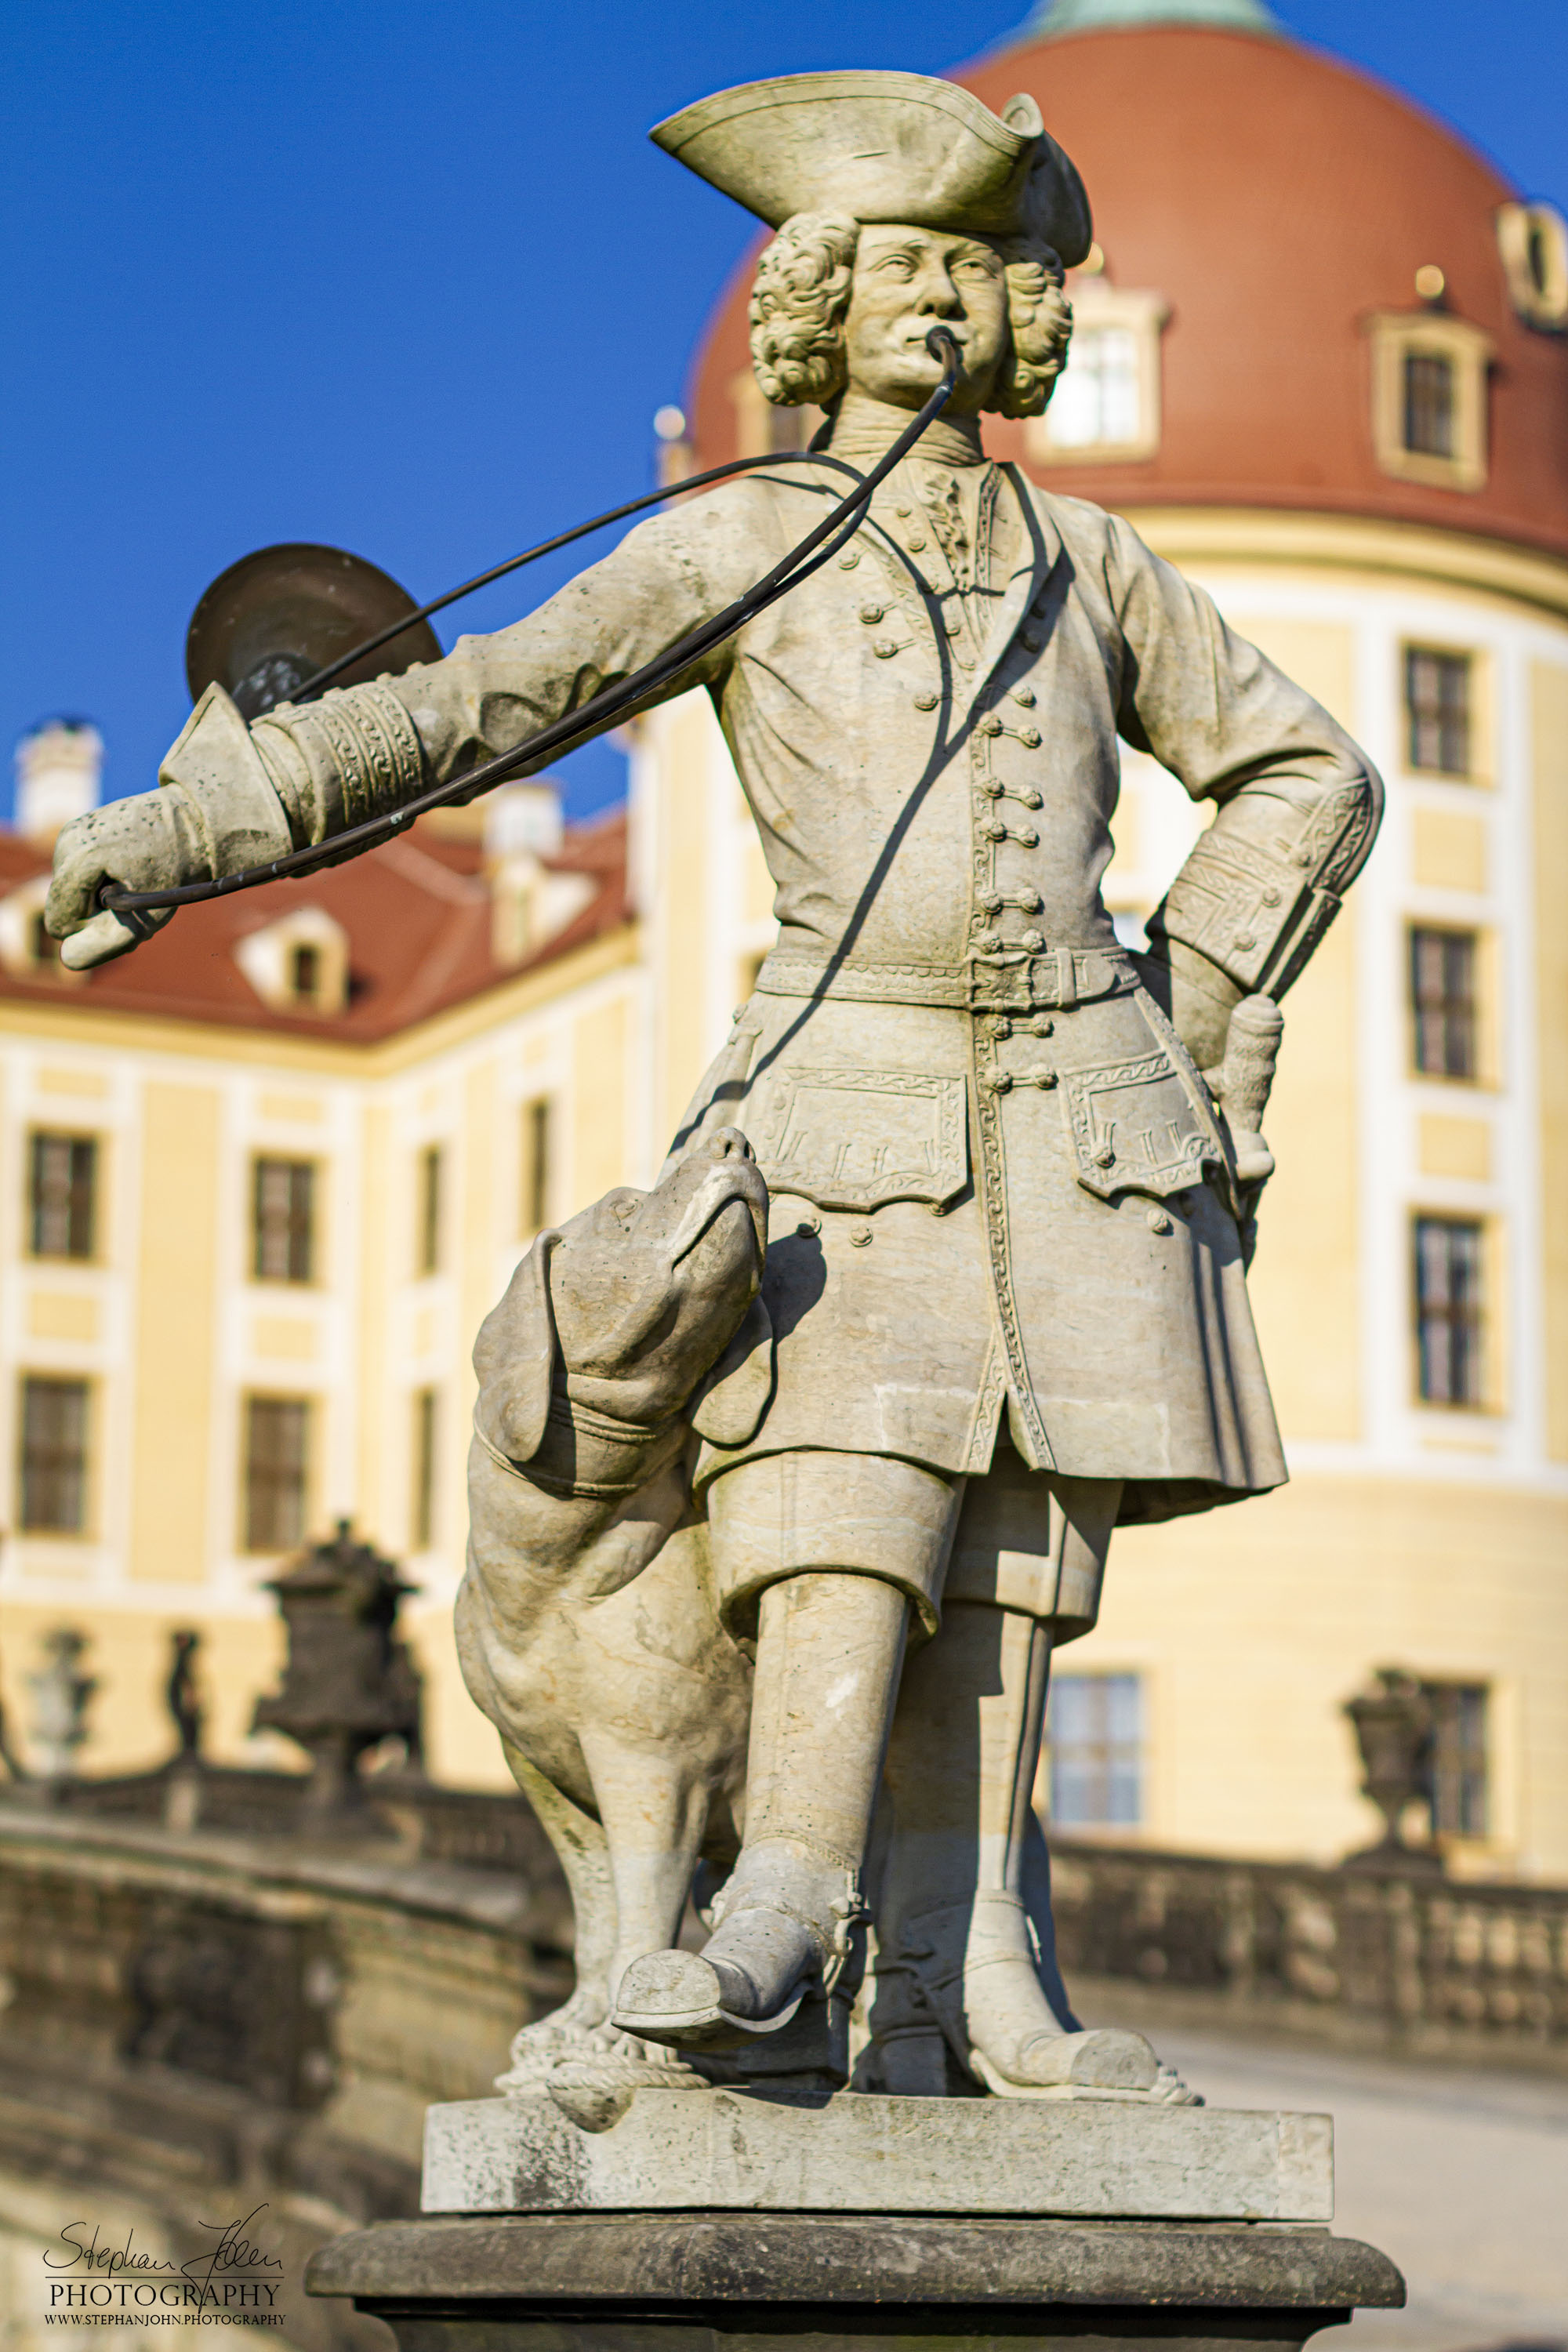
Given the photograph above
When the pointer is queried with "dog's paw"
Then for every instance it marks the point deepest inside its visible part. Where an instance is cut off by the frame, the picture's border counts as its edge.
(540, 2048)
(594, 2086)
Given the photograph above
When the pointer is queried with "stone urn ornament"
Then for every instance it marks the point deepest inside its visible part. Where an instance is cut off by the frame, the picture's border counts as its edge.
(348, 1682)
(1393, 1730)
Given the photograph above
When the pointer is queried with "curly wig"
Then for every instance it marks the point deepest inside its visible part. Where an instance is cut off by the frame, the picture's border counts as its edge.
(801, 292)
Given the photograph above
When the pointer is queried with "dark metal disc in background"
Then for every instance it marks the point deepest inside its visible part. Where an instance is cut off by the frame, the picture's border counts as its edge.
(275, 617)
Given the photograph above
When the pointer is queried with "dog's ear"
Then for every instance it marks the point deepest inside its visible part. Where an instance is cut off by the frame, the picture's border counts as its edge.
(730, 1404)
(515, 1357)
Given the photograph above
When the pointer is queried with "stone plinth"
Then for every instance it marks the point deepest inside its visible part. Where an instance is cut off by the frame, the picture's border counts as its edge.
(762, 2283)
(856, 2153)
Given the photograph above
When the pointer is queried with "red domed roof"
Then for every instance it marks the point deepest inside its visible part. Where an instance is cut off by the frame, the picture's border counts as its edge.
(1276, 200)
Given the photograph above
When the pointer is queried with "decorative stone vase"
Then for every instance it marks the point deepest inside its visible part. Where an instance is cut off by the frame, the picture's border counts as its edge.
(348, 1683)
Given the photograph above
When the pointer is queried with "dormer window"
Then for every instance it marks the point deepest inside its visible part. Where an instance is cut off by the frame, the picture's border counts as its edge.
(1429, 397)
(1532, 242)
(305, 973)
(1428, 404)
(530, 903)
(1105, 409)
(298, 964)
(27, 950)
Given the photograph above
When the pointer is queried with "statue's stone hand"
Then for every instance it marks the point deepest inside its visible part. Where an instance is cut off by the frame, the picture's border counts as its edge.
(147, 843)
(1196, 996)
(218, 809)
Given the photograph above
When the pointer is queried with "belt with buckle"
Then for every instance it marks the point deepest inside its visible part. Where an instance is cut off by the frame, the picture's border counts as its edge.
(999, 980)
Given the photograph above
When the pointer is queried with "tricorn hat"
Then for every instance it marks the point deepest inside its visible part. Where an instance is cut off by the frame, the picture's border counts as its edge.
(885, 147)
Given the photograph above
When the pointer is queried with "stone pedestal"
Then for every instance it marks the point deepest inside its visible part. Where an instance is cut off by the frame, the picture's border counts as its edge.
(656, 2150)
(842, 2283)
(687, 2221)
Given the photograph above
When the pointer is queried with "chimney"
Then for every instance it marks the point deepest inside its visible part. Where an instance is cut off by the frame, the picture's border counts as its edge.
(59, 767)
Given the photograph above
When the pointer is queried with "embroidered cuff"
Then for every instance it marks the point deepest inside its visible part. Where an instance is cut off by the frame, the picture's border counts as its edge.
(1258, 907)
(362, 750)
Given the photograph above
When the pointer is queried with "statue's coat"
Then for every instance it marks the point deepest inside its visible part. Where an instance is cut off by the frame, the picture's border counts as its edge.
(988, 1093)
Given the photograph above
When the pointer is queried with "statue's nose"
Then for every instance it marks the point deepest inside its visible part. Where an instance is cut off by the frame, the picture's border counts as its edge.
(729, 1143)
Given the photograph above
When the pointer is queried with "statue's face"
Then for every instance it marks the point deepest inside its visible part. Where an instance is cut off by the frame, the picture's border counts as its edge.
(908, 280)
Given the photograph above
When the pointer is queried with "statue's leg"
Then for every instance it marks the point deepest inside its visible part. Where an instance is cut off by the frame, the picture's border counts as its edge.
(958, 1950)
(655, 1813)
(830, 1551)
(964, 1939)
(583, 1852)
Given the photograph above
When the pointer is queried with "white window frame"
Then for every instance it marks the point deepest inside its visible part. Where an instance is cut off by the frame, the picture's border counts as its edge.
(1096, 307)
(1399, 335)
(1532, 243)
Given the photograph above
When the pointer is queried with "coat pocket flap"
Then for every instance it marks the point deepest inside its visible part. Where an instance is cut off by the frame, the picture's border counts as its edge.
(853, 1138)
(1136, 1127)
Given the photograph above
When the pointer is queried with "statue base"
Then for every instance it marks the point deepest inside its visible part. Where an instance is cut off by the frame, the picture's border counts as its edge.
(882, 2282)
(1102, 2157)
(837, 2224)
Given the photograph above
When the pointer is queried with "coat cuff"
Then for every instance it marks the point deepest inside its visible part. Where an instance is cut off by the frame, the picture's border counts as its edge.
(360, 752)
(225, 787)
(1257, 907)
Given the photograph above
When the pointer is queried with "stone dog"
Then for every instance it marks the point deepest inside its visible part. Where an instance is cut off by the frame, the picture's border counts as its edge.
(586, 1624)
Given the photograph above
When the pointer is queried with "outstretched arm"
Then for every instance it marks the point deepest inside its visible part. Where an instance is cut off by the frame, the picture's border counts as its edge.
(1299, 803)
(231, 796)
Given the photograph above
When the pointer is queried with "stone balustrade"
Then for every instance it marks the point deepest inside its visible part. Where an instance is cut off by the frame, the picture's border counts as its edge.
(233, 2007)
(196, 2017)
(1399, 1958)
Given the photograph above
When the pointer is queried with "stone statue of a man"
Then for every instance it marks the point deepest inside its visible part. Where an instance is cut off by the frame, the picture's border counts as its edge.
(1006, 1266)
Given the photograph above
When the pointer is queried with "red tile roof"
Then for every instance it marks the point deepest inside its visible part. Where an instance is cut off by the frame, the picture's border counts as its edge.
(418, 917)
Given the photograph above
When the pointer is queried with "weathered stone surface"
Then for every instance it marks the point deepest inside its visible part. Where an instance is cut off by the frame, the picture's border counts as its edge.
(861, 2154)
(619, 2283)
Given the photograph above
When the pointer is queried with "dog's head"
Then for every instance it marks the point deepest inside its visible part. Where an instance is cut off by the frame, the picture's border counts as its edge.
(642, 1300)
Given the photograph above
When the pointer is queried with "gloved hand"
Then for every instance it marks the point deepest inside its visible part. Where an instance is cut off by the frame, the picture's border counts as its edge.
(217, 811)
(1194, 995)
(152, 841)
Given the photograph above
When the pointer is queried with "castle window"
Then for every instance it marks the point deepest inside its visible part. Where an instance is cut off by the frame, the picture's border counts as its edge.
(428, 1236)
(27, 950)
(1532, 241)
(1443, 1001)
(62, 1190)
(423, 1515)
(1095, 1734)
(305, 973)
(1454, 1767)
(276, 1469)
(535, 1203)
(1105, 408)
(53, 1482)
(1448, 1311)
(1429, 379)
(299, 965)
(1437, 711)
(1429, 403)
(1097, 400)
(283, 1221)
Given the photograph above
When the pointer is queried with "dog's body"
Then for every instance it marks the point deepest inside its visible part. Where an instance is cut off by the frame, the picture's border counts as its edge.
(587, 1623)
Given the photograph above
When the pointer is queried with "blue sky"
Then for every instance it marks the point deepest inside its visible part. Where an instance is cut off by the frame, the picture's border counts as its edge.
(409, 279)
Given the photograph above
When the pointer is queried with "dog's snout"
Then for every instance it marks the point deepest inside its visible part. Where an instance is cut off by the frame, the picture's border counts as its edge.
(729, 1143)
